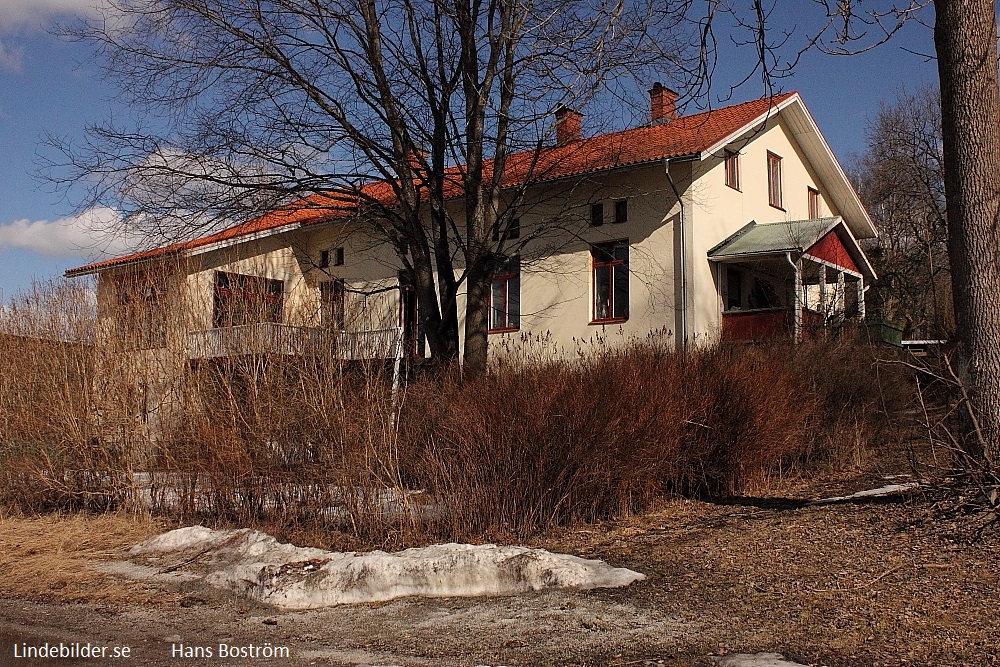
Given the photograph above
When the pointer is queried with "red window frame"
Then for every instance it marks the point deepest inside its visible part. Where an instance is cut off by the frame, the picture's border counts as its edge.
(241, 299)
(610, 282)
(774, 180)
(505, 297)
(732, 164)
(814, 203)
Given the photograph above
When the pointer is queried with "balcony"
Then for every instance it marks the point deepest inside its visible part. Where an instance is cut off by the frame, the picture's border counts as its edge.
(272, 338)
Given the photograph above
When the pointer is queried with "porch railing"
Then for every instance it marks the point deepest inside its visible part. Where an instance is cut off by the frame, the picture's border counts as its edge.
(757, 324)
(290, 340)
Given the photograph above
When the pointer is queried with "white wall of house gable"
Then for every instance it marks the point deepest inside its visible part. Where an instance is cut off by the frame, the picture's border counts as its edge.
(719, 210)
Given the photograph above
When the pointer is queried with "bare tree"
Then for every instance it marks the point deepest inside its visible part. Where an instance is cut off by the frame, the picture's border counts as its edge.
(900, 178)
(383, 109)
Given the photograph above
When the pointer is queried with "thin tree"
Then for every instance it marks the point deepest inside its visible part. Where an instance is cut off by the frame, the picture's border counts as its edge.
(383, 109)
(900, 178)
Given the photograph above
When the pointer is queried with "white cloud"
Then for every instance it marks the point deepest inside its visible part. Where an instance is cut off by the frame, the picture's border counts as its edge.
(10, 58)
(36, 12)
(90, 234)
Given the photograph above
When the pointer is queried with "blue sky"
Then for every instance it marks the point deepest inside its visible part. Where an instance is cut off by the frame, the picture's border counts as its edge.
(50, 86)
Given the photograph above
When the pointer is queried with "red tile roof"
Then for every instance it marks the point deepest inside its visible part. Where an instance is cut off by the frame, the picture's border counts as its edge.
(687, 135)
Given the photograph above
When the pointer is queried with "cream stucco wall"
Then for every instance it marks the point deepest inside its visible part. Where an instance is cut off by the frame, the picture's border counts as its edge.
(555, 249)
(719, 210)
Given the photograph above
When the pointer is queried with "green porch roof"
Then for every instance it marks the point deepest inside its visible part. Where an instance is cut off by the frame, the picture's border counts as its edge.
(774, 237)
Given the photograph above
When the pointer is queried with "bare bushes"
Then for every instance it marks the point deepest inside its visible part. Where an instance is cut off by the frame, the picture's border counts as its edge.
(291, 442)
(534, 445)
(51, 455)
(290, 436)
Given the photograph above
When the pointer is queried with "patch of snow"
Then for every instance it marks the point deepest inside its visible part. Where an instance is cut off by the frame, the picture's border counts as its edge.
(754, 660)
(255, 564)
(886, 490)
(181, 539)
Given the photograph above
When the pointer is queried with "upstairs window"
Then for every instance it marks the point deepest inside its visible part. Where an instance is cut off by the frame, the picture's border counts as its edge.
(141, 319)
(610, 278)
(733, 169)
(334, 257)
(331, 298)
(774, 180)
(597, 214)
(814, 204)
(513, 229)
(505, 297)
(242, 299)
(621, 211)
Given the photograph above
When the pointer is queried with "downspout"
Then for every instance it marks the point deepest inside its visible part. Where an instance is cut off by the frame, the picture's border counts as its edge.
(683, 262)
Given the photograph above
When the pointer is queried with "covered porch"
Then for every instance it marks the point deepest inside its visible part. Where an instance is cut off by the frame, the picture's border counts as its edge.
(789, 279)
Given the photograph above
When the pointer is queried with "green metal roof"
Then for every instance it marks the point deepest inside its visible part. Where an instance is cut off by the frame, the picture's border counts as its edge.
(774, 237)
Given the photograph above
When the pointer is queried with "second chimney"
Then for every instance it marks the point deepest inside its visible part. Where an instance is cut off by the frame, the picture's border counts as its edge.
(567, 125)
(662, 104)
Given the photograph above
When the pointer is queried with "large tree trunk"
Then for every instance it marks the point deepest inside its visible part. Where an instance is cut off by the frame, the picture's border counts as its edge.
(965, 37)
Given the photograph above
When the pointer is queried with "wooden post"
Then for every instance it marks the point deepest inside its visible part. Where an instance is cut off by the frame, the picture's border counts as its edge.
(799, 300)
(840, 301)
(822, 294)
(861, 298)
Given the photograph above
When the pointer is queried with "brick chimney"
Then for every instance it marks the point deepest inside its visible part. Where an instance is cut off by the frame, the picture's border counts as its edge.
(662, 104)
(567, 125)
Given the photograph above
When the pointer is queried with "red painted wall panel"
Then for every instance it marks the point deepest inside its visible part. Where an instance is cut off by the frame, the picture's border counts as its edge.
(832, 249)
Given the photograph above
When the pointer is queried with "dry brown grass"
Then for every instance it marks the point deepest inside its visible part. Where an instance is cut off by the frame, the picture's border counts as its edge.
(52, 557)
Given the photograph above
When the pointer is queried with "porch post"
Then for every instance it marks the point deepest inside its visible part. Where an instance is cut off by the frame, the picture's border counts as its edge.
(861, 297)
(799, 302)
(841, 299)
(822, 294)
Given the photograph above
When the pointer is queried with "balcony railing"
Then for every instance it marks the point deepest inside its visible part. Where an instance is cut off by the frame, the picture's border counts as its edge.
(286, 339)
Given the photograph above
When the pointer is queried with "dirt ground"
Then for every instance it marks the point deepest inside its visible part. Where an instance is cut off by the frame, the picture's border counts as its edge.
(851, 584)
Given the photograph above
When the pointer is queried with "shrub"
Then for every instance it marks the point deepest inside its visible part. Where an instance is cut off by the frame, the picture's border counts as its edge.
(313, 443)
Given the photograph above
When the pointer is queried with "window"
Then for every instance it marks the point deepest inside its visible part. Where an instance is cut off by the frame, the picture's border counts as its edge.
(597, 214)
(336, 255)
(762, 295)
(734, 289)
(774, 180)
(331, 298)
(505, 297)
(814, 204)
(610, 262)
(242, 299)
(621, 211)
(141, 320)
(513, 229)
(733, 169)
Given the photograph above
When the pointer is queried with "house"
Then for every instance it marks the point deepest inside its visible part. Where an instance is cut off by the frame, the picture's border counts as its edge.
(736, 223)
